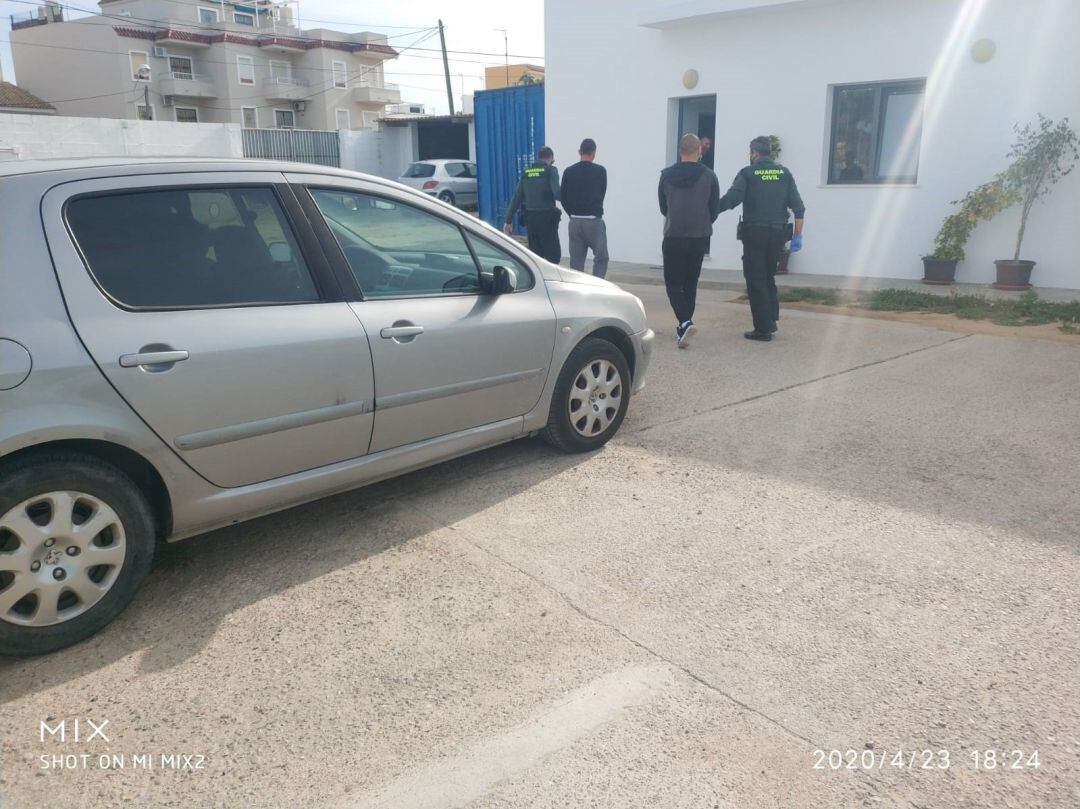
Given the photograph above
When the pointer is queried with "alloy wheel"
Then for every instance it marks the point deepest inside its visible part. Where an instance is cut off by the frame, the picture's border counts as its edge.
(595, 398)
(60, 553)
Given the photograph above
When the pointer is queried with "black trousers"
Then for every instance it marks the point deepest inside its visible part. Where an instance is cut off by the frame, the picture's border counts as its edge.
(682, 269)
(761, 254)
(543, 230)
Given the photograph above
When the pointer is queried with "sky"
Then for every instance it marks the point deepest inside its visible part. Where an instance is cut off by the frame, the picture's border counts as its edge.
(470, 26)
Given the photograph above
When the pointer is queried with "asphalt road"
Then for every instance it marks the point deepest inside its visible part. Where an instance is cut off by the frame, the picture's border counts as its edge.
(862, 536)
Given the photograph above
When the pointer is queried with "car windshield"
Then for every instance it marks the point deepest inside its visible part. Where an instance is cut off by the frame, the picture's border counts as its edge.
(419, 170)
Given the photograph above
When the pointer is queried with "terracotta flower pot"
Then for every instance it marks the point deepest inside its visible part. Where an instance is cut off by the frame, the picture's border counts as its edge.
(940, 271)
(1013, 276)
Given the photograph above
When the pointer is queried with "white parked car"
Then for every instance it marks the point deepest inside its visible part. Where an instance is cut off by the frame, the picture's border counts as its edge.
(452, 181)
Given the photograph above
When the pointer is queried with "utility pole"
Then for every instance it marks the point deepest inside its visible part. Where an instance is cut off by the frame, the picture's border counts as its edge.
(446, 69)
(506, 53)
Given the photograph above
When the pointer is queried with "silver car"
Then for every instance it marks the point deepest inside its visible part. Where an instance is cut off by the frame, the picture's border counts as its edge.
(452, 181)
(184, 345)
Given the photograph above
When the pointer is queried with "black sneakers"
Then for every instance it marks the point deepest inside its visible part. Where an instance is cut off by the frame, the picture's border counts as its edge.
(758, 335)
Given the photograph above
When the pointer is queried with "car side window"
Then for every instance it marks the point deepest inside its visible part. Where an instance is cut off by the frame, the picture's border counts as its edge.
(191, 248)
(470, 170)
(491, 257)
(396, 250)
(455, 169)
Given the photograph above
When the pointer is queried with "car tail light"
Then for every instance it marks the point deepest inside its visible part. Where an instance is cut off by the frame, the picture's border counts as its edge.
(430, 184)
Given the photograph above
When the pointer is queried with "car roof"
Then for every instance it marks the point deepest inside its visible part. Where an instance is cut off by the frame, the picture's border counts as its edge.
(119, 166)
(440, 161)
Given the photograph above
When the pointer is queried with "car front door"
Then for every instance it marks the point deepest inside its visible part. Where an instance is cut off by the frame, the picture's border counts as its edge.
(447, 355)
(206, 301)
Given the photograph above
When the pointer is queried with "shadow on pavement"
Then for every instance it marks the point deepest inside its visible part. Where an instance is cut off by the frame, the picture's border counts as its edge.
(197, 583)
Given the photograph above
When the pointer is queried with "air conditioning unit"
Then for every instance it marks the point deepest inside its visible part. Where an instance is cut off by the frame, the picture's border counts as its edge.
(160, 52)
(166, 101)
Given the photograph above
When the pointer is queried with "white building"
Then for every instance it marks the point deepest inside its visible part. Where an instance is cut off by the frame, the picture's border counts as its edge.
(219, 62)
(887, 110)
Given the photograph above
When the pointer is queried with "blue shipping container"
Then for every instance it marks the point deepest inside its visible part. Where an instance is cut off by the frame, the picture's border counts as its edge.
(509, 131)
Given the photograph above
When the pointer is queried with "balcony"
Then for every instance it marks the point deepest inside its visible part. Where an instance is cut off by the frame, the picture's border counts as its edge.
(174, 35)
(283, 44)
(376, 94)
(279, 88)
(187, 85)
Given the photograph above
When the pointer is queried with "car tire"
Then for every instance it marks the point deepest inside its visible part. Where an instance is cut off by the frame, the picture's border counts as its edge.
(447, 197)
(591, 397)
(44, 502)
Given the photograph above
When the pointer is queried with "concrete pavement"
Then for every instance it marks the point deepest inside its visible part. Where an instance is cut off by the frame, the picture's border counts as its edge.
(861, 536)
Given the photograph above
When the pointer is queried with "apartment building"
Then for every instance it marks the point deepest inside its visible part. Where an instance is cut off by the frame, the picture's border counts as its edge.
(191, 61)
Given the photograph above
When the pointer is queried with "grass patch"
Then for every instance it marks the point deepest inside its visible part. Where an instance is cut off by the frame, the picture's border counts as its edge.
(904, 300)
(1025, 310)
(826, 297)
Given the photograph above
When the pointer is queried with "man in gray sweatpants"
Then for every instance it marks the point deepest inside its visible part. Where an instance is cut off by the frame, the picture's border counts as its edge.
(584, 186)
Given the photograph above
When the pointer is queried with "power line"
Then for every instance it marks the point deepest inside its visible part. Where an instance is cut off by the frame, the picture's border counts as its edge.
(205, 61)
(213, 3)
(204, 27)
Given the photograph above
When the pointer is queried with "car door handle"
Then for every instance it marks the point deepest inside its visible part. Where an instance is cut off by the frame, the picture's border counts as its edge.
(396, 332)
(152, 358)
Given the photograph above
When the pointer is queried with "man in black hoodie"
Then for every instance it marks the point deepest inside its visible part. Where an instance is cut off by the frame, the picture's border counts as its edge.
(690, 202)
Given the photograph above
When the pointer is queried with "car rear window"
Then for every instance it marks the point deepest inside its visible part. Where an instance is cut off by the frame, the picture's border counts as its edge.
(419, 170)
(188, 248)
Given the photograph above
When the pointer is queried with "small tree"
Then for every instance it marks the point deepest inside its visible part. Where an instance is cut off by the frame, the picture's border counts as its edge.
(985, 202)
(1042, 155)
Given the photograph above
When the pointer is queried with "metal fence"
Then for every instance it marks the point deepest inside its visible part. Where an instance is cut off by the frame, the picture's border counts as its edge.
(299, 145)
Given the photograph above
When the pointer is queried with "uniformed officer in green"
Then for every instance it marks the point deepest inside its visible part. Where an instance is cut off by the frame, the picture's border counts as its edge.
(766, 191)
(538, 190)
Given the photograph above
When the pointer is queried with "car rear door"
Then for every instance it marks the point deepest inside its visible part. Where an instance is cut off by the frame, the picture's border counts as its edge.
(206, 301)
(447, 356)
(468, 184)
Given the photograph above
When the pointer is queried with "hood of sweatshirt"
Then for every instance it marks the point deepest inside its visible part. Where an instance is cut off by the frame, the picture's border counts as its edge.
(684, 173)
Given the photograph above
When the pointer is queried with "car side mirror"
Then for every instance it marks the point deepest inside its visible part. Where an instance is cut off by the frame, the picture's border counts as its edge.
(501, 281)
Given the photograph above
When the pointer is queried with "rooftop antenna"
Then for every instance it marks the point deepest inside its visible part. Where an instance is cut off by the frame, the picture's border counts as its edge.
(506, 53)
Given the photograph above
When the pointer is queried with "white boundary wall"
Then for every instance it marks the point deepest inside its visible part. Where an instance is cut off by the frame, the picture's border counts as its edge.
(35, 137)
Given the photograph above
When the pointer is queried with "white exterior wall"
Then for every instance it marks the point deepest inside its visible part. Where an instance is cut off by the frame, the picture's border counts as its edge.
(771, 71)
(31, 137)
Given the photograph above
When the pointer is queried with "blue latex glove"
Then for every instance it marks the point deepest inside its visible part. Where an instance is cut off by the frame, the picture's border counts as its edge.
(796, 243)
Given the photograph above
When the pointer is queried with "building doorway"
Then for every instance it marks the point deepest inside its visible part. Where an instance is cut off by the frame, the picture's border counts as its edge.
(697, 114)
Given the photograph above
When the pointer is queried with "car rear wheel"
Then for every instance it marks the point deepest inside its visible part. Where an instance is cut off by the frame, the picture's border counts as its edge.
(447, 197)
(76, 539)
(591, 397)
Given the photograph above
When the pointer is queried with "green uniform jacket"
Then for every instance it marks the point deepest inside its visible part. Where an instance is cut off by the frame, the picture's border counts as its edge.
(766, 191)
(538, 188)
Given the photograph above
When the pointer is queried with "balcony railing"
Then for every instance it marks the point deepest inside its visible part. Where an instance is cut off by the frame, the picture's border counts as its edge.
(376, 94)
(42, 16)
(188, 85)
(286, 88)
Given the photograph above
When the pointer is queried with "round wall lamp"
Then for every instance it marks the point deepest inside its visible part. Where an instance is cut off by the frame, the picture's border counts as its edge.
(690, 79)
(983, 51)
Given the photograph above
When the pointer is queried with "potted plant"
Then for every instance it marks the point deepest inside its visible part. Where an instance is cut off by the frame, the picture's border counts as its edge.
(984, 202)
(1042, 155)
(785, 253)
